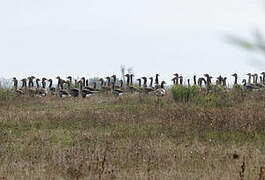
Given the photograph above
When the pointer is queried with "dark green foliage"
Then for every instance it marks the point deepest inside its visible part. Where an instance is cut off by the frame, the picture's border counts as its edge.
(5, 94)
(185, 94)
(215, 96)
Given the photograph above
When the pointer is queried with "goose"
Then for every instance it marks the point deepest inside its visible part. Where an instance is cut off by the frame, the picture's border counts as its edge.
(39, 91)
(70, 80)
(24, 84)
(103, 86)
(84, 92)
(176, 78)
(76, 83)
(31, 89)
(31, 84)
(161, 91)
(60, 83)
(254, 84)
(260, 80)
(208, 79)
(121, 84)
(127, 80)
(19, 91)
(249, 78)
(85, 84)
(219, 80)
(139, 82)
(145, 88)
(151, 82)
(51, 89)
(101, 80)
(37, 83)
(194, 80)
(15, 83)
(181, 80)
(157, 81)
(235, 81)
(200, 80)
(260, 84)
(131, 79)
(129, 83)
(43, 89)
(145, 82)
(263, 77)
(249, 87)
(224, 81)
(107, 86)
(117, 92)
(255, 80)
(43, 82)
(114, 80)
(188, 82)
(72, 91)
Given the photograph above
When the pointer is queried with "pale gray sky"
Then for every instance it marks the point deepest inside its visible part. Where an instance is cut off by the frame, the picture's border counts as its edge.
(94, 37)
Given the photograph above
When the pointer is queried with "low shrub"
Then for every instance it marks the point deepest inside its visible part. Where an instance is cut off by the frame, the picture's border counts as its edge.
(194, 94)
(185, 94)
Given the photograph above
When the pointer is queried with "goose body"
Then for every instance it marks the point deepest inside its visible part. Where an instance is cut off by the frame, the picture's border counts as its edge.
(116, 92)
(161, 91)
(74, 92)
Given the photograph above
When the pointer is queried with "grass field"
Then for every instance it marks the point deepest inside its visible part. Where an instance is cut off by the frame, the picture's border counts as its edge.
(133, 137)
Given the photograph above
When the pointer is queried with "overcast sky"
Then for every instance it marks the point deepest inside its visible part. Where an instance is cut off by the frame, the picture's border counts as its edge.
(94, 37)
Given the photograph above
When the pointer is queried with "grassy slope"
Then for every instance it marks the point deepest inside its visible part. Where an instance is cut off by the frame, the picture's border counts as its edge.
(137, 137)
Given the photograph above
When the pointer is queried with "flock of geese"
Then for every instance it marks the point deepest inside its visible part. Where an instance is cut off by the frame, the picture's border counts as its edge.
(254, 82)
(81, 88)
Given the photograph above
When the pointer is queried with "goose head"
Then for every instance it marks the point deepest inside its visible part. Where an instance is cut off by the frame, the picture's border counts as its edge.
(69, 77)
(235, 75)
(144, 78)
(114, 77)
(248, 74)
(244, 82)
(24, 80)
(162, 84)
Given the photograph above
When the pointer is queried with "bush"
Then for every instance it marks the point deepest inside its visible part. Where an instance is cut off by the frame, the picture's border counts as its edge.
(216, 97)
(5, 94)
(185, 94)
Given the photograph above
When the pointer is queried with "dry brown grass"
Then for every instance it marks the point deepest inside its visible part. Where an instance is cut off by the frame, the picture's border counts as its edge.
(131, 137)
